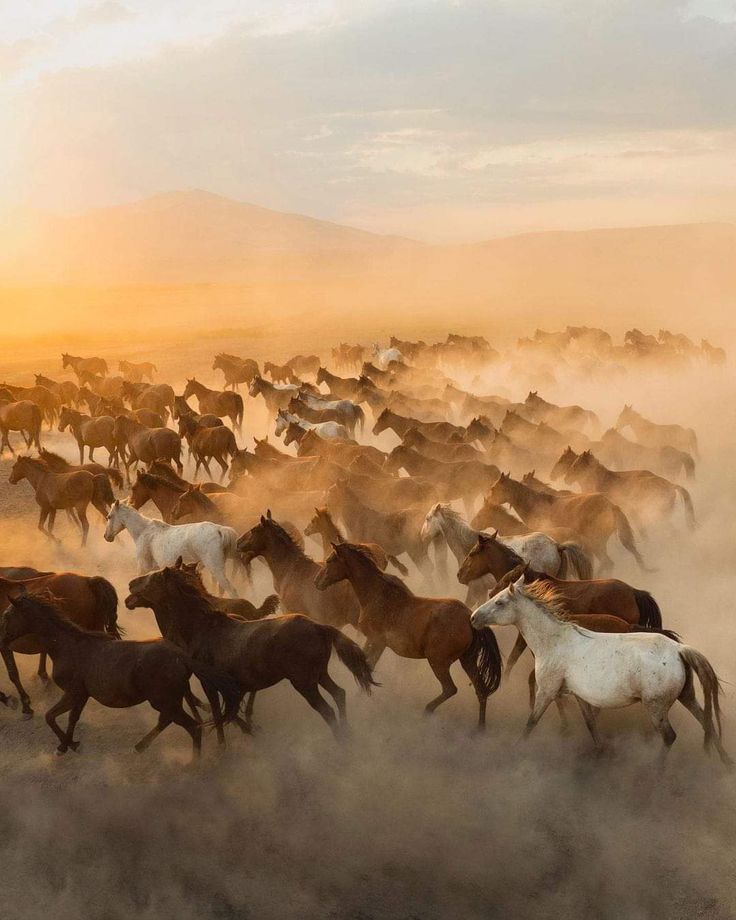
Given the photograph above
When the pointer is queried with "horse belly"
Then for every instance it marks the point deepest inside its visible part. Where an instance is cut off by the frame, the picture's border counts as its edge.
(607, 681)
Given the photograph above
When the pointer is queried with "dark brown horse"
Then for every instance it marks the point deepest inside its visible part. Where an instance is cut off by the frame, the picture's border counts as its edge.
(58, 464)
(63, 491)
(116, 673)
(208, 443)
(90, 602)
(138, 444)
(223, 403)
(162, 492)
(435, 628)
(256, 655)
(293, 575)
(90, 432)
(280, 373)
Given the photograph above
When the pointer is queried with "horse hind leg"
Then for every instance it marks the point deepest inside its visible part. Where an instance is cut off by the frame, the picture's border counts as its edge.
(315, 699)
(75, 713)
(145, 742)
(12, 669)
(590, 714)
(337, 694)
(658, 713)
(441, 671)
(689, 700)
(470, 666)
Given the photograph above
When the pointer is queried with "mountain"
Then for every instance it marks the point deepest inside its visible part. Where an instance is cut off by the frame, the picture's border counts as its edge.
(196, 257)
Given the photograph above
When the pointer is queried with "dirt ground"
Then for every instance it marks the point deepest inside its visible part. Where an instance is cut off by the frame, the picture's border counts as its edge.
(415, 817)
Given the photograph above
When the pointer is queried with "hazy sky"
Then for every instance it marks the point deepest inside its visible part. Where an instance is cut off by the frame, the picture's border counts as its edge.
(439, 119)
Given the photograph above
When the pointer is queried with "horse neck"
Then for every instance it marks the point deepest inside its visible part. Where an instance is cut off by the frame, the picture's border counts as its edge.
(526, 500)
(459, 534)
(330, 532)
(368, 583)
(135, 522)
(35, 475)
(283, 557)
(538, 628)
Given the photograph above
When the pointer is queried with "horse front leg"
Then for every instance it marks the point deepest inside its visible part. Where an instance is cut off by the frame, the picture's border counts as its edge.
(14, 676)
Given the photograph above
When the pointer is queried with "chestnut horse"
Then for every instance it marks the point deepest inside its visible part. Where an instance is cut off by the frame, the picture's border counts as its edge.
(323, 526)
(90, 432)
(435, 628)
(223, 403)
(23, 416)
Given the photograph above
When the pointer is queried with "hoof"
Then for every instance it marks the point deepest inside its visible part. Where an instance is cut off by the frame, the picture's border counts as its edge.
(60, 751)
(27, 714)
(74, 745)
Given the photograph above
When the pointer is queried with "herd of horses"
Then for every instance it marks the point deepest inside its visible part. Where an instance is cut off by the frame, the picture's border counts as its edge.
(406, 463)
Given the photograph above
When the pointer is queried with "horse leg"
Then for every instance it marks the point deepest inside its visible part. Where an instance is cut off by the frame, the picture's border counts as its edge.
(319, 704)
(82, 512)
(51, 522)
(544, 696)
(14, 676)
(80, 445)
(74, 714)
(658, 714)
(337, 694)
(441, 671)
(67, 702)
(470, 666)
(249, 727)
(590, 714)
(223, 464)
(193, 703)
(42, 672)
(191, 726)
(373, 649)
(145, 742)
(218, 573)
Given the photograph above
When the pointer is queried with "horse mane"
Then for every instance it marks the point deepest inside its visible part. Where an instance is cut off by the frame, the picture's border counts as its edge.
(548, 599)
(201, 498)
(286, 538)
(192, 597)
(393, 586)
(54, 461)
(153, 481)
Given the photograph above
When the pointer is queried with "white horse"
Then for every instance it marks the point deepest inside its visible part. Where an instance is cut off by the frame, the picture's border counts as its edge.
(563, 560)
(384, 356)
(158, 544)
(328, 430)
(604, 670)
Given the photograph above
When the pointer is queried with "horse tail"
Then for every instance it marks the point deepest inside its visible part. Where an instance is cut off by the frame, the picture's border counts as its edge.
(398, 565)
(232, 445)
(107, 601)
(269, 606)
(649, 613)
(484, 648)
(697, 662)
(626, 536)
(576, 563)
(360, 415)
(104, 364)
(670, 633)
(214, 681)
(102, 489)
(353, 657)
(689, 510)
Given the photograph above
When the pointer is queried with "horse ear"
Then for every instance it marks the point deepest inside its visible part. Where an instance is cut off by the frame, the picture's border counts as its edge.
(179, 562)
(268, 514)
(197, 487)
(484, 538)
(263, 520)
(519, 583)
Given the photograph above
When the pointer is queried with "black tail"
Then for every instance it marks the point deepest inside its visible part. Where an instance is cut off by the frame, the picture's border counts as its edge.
(239, 413)
(361, 418)
(487, 658)
(103, 490)
(649, 613)
(107, 599)
(115, 476)
(670, 633)
(688, 502)
(269, 606)
(626, 536)
(354, 659)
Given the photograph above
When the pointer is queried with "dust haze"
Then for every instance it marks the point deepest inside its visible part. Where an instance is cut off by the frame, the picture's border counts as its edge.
(414, 817)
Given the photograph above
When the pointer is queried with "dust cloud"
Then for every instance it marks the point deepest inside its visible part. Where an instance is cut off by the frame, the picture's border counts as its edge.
(414, 817)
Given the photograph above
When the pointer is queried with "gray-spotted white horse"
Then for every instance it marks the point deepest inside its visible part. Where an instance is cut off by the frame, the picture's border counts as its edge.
(328, 430)
(605, 670)
(158, 544)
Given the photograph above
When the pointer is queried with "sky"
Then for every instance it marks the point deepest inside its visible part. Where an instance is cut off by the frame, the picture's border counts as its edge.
(443, 120)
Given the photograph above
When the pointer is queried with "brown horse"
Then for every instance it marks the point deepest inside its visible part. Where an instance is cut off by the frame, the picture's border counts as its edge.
(23, 416)
(116, 673)
(435, 628)
(304, 364)
(436, 431)
(644, 495)
(162, 492)
(63, 491)
(135, 372)
(208, 443)
(293, 575)
(166, 471)
(66, 390)
(236, 370)
(594, 517)
(586, 596)
(560, 416)
(90, 432)
(47, 401)
(496, 517)
(436, 450)
(90, 602)
(341, 452)
(84, 365)
(340, 387)
(465, 479)
(158, 397)
(138, 444)
(280, 373)
(256, 655)
(58, 464)
(275, 397)
(619, 452)
(323, 526)
(225, 404)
